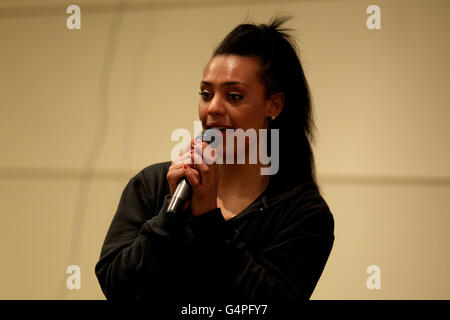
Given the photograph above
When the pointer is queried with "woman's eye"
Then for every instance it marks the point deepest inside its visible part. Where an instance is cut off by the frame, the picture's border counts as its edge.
(235, 96)
(205, 95)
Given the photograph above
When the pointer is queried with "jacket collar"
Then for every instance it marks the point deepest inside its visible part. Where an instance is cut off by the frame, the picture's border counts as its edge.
(270, 197)
(275, 194)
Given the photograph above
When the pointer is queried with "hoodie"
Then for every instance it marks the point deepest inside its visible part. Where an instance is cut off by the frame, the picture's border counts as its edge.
(274, 250)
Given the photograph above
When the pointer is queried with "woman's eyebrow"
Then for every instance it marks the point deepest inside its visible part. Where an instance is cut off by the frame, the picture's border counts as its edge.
(228, 83)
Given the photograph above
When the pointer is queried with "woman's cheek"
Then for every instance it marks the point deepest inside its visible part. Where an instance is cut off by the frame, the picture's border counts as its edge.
(202, 113)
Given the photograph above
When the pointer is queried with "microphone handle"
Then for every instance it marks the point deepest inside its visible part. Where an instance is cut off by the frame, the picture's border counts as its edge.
(183, 192)
(181, 195)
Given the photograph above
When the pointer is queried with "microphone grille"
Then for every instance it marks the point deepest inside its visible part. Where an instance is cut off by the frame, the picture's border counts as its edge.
(210, 136)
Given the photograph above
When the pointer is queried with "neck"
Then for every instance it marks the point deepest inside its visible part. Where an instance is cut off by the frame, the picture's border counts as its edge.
(243, 179)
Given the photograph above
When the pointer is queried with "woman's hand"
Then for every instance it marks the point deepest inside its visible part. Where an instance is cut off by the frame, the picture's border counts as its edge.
(176, 171)
(203, 177)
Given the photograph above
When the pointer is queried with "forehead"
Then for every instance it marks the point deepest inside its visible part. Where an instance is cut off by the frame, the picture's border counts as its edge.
(224, 68)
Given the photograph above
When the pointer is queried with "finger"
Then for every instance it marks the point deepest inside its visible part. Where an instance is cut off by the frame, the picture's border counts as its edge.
(182, 154)
(175, 171)
(199, 164)
(175, 166)
(196, 142)
(193, 176)
(185, 158)
(198, 147)
(209, 154)
(174, 175)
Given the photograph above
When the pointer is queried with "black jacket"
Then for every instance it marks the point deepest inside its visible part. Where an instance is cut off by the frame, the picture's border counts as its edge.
(274, 250)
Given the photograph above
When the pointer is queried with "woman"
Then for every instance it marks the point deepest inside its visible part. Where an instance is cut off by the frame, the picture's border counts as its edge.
(243, 236)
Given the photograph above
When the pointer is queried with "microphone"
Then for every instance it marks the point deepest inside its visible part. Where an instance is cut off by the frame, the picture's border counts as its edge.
(183, 192)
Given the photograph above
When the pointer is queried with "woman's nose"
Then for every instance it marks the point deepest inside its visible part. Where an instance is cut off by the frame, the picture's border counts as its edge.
(216, 106)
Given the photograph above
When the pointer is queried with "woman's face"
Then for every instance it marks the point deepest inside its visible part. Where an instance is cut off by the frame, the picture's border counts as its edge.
(233, 96)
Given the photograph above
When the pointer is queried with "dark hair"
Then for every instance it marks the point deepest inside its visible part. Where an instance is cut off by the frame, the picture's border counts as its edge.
(281, 71)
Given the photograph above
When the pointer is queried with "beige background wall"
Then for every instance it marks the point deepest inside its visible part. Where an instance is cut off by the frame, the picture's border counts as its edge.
(82, 111)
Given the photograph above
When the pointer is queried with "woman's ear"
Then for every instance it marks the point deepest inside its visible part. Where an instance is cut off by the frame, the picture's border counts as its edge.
(275, 104)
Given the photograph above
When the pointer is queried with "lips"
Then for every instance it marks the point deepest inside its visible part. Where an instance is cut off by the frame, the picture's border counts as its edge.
(221, 128)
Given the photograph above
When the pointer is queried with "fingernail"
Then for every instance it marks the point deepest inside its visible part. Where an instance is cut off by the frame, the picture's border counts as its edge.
(185, 166)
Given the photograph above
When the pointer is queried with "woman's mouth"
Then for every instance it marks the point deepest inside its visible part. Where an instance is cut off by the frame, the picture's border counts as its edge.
(223, 130)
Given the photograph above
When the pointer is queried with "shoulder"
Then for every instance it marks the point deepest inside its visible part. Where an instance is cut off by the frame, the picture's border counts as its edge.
(153, 179)
(157, 171)
(305, 206)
